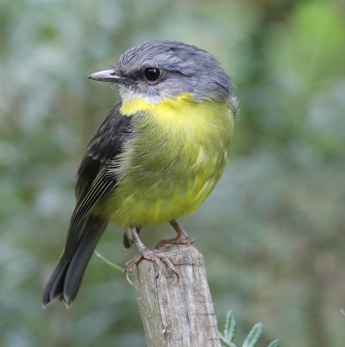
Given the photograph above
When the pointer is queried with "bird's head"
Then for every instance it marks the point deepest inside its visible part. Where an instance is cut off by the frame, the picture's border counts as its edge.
(158, 70)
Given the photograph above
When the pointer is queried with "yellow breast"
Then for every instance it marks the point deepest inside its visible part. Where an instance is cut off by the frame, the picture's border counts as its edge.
(176, 156)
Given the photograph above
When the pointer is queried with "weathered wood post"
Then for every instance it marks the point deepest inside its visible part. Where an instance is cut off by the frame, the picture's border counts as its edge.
(176, 313)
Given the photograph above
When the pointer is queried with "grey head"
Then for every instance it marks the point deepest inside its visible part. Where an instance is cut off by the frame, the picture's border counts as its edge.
(157, 70)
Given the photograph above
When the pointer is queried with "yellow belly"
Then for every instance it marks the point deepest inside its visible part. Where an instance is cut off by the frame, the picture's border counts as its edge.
(176, 156)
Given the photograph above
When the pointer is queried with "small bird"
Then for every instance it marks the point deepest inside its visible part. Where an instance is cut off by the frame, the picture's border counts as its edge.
(157, 155)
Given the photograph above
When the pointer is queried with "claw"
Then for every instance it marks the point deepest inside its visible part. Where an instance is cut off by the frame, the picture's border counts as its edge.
(181, 238)
(128, 279)
(157, 255)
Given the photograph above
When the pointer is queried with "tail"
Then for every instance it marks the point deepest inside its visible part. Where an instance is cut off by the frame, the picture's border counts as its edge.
(128, 239)
(65, 281)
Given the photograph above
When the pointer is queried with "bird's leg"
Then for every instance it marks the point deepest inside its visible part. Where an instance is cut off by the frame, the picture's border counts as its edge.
(157, 256)
(180, 239)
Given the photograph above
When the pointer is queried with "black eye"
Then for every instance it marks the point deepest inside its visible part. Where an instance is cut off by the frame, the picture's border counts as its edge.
(152, 73)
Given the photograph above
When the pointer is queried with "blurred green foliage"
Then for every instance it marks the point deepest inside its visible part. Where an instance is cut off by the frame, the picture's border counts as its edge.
(272, 233)
(227, 339)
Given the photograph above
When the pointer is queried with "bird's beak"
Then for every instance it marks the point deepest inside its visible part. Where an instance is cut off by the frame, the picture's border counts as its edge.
(106, 76)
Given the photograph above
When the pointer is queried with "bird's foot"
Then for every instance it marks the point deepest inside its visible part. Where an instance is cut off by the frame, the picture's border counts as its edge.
(157, 256)
(181, 238)
(164, 245)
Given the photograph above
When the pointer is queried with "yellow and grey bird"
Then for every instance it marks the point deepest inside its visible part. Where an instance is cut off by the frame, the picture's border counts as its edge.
(157, 155)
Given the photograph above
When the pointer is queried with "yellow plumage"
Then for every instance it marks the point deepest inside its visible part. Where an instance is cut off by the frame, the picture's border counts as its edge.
(173, 161)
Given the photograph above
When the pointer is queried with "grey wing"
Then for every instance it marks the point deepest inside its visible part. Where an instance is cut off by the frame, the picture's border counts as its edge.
(93, 179)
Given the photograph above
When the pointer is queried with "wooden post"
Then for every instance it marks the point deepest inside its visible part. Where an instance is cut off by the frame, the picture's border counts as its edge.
(176, 313)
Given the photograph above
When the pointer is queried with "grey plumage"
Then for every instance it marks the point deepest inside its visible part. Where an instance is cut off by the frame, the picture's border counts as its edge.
(85, 229)
(185, 67)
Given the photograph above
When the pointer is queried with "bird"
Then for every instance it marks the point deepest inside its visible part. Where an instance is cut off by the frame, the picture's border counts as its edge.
(156, 157)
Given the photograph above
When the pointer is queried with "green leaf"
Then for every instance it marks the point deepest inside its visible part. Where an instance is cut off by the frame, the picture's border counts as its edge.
(230, 326)
(274, 343)
(114, 266)
(342, 311)
(225, 342)
(253, 336)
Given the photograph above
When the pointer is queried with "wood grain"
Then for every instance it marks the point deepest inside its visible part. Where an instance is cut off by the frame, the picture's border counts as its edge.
(176, 312)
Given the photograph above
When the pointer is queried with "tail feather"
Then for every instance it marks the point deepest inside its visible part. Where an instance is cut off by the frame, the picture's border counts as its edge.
(65, 281)
(54, 287)
(128, 239)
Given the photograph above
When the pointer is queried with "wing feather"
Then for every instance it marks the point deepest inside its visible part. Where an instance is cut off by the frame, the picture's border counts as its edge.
(94, 179)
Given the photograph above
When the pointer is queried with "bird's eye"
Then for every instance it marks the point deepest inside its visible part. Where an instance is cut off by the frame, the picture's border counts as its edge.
(152, 74)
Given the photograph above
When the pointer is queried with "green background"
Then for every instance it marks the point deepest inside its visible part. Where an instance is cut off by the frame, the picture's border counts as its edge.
(272, 232)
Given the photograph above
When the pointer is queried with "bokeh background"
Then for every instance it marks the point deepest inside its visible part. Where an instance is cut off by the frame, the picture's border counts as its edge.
(272, 232)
